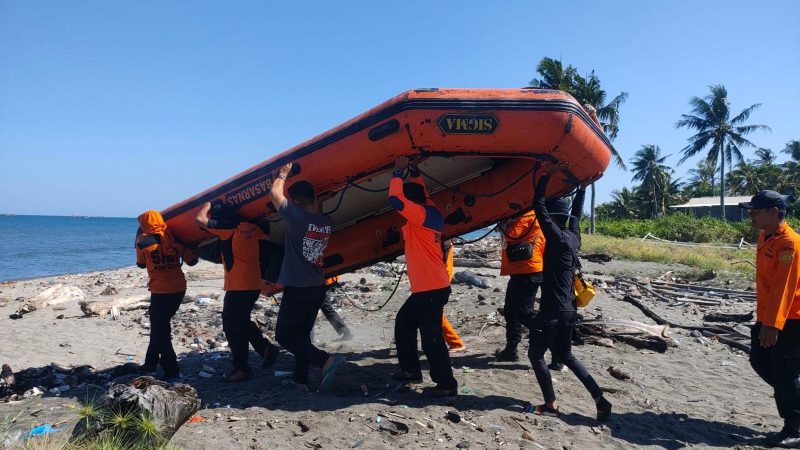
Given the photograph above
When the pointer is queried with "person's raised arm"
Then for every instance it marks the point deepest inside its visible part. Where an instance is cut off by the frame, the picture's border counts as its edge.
(277, 197)
(411, 211)
(577, 211)
(549, 228)
(593, 114)
(202, 216)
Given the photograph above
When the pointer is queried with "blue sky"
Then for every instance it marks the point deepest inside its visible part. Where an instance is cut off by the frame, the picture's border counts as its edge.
(112, 108)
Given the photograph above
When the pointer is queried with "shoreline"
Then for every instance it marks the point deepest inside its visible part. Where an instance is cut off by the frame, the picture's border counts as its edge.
(674, 399)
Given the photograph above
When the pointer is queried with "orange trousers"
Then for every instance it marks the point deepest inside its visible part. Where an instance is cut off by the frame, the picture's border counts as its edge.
(452, 338)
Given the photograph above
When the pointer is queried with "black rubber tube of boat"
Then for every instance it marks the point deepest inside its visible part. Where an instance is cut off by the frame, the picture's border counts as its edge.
(397, 285)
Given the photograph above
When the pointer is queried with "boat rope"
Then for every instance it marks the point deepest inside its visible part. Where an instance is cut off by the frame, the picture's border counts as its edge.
(487, 195)
(461, 241)
(368, 189)
(338, 204)
(397, 285)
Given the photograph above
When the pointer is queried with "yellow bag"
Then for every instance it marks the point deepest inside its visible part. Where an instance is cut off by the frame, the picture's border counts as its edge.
(583, 290)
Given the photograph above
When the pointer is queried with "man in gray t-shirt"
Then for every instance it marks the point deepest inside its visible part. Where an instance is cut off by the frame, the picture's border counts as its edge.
(307, 235)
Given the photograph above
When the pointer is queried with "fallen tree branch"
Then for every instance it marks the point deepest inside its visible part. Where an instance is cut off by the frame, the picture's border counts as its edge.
(103, 307)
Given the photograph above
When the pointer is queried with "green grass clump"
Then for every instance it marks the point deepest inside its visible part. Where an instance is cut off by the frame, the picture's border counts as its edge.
(697, 257)
(683, 228)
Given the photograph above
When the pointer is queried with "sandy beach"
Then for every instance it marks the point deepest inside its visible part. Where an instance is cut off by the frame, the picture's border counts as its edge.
(698, 394)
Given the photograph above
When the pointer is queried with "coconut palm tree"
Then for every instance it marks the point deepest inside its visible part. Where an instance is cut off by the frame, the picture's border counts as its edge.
(723, 135)
(554, 75)
(791, 169)
(746, 179)
(701, 179)
(587, 90)
(765, 157)
(649, 168)
(624, 204)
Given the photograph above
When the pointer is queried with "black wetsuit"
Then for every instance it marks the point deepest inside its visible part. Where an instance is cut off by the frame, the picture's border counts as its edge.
(557, 312)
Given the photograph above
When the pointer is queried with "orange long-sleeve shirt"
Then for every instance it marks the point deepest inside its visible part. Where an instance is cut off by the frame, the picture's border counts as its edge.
(526, 228)
(778, 277)
(422, 234)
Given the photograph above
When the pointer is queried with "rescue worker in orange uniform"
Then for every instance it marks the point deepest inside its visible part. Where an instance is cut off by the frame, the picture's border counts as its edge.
(242, 285)
(775, 338)
(158, 252)
(430, 285)
(523, 247)
(451, 337)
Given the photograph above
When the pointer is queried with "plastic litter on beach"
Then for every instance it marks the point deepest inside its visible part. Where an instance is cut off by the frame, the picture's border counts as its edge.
(42, 430)
(205, 374)
(282, 373)
(204, 301)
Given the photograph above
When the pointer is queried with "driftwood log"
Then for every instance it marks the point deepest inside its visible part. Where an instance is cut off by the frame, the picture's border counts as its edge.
(168, 405)
(636, 334)
(476, 263)
(103, 307)
(51, 296)
(720, 292)
(723, 317)
(728, 340)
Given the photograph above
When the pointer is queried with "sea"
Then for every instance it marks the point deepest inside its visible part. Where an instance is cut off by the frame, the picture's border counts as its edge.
(40, 246)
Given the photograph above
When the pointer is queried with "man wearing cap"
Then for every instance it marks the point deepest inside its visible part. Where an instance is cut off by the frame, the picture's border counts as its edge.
(430, 285)
(552, 328)
(775, 338)
(307, 235)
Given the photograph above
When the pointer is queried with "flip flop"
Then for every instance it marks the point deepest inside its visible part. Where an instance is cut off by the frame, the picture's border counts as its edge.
(327, 377)
(542, 410)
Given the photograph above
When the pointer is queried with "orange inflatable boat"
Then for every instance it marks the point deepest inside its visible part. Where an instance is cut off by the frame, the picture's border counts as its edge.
(478, 150)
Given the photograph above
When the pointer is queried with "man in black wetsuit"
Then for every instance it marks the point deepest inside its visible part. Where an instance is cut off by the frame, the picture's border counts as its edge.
(557, 314)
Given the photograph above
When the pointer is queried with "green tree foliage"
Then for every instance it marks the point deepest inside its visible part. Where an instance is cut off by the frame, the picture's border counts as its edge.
(649, 168)
(721, 136)
(588, 91)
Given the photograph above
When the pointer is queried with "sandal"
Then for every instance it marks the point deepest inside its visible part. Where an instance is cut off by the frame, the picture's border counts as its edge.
(407, 377)
(440, 392)
(328, 374)
(542, 410)
(290, 383)
(237, 376)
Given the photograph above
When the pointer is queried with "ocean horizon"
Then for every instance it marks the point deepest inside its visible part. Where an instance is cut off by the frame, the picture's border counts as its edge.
(43, 246)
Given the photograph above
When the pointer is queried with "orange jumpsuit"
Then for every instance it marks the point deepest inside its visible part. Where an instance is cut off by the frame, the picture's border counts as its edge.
(451, 337)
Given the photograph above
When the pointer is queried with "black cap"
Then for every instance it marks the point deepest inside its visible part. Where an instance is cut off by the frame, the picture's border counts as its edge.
(767, 200)
(558, 207)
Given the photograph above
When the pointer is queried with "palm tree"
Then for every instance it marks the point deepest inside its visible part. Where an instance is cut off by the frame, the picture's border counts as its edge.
(649, 167)
(624, 204)
(746, 179)
(791, 169)
(765, 157)
(554, 75)
(701, 180)
(711, 118)
(793, 149)
(587, 90)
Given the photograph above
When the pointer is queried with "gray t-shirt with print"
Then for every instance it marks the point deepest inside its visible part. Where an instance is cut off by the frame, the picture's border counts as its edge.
(307, 236)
